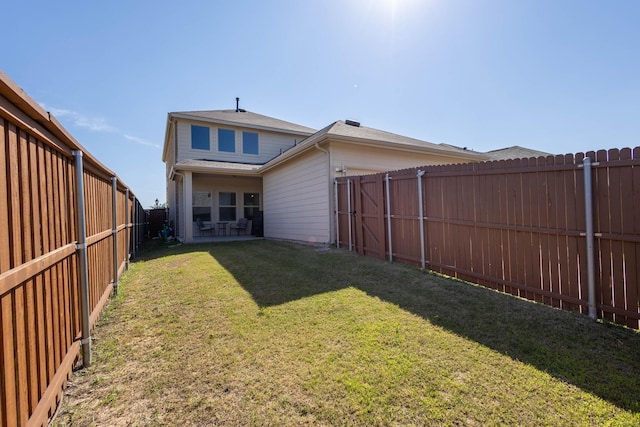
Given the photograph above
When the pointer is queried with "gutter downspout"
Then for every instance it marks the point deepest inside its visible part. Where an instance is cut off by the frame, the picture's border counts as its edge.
(317, 146)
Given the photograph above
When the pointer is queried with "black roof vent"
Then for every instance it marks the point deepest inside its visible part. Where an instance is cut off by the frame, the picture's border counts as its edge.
(352, 123)
(238, 109)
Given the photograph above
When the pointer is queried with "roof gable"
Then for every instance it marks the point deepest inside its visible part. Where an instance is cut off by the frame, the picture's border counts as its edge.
(356, 133)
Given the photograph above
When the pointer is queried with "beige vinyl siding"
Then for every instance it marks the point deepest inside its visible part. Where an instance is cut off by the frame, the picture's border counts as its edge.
(270, 144)
(361, 160)
(296, 199)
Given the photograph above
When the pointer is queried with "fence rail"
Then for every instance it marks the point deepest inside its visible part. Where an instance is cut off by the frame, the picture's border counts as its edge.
(41, 267)
(518, 226)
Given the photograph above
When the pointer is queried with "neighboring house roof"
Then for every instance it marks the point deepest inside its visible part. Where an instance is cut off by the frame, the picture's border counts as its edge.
(245, 119)
(515, 152)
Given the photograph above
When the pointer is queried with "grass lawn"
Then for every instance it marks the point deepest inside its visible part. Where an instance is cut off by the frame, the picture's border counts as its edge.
(271, 333)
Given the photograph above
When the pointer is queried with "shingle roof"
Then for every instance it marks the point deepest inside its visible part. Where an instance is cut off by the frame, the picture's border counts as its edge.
(245, 119)
(515, 152)
(342, 129)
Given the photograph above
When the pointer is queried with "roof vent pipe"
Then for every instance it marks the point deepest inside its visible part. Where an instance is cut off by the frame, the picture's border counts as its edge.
(237, 104)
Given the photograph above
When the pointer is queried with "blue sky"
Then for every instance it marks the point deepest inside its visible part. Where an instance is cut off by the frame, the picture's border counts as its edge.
(561, 76)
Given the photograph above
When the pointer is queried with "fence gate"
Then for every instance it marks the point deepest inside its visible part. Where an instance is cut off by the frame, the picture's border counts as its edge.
(369, 223)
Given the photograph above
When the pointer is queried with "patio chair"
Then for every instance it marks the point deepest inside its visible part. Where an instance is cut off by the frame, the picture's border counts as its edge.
(205, 227)
(241, 225)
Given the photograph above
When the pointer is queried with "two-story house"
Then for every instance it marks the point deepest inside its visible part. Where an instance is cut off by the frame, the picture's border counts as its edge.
(228, 164)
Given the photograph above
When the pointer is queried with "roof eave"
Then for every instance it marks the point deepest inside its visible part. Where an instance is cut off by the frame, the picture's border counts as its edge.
(408, 148)
(213, 170)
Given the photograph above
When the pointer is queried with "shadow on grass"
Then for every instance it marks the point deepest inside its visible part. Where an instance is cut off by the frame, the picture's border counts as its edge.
(602, 359)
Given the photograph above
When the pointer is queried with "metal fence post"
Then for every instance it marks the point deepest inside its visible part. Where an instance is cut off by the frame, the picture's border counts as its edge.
(135, 228)
(127, 212)
(335, 182)
(421, 213)
(114, 198)
(349, 210)
(588, 208)
(81, 247)
(387, 178)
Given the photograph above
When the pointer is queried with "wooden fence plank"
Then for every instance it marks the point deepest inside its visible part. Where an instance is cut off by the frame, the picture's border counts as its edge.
(617, 247)
(41, 333)
(529, 256)
(21, 356)
(581, 225)
(627, 227)
(31, 347)
(572, 287)
(7, 359)
(556, 219)
(358, 222)
(15, 217)
(382, 236)
(4, 208)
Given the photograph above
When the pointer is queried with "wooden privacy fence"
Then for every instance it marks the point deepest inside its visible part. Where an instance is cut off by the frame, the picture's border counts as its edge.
(67, 228)
(526, 227)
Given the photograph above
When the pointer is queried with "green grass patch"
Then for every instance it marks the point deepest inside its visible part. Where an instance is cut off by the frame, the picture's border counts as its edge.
(271, 333)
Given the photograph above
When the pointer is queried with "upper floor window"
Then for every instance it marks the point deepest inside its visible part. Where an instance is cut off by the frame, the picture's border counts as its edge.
(227, 140)
(200, 137)
(250, 143)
